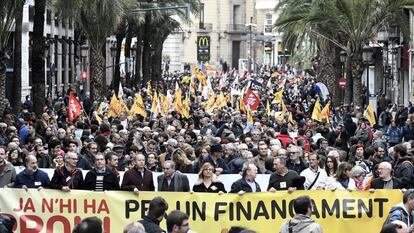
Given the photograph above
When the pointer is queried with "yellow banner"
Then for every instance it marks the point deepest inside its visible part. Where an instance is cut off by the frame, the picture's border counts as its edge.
(56, 211)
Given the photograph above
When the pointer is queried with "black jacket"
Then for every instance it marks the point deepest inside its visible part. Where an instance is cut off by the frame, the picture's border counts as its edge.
(215, 187)
(243, 185)
(63, 177)
(151, 225)
(378, 183)
(110, 181)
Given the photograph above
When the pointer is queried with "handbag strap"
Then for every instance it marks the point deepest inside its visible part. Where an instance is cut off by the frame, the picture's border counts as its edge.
(314, 181)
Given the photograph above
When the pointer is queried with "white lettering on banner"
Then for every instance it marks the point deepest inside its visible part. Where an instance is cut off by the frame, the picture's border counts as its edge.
(226, 179)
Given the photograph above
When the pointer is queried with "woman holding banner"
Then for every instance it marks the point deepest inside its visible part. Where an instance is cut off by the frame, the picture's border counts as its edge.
(207, 181)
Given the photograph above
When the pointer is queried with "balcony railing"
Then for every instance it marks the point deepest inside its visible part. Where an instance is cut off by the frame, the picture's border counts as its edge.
(237, 28)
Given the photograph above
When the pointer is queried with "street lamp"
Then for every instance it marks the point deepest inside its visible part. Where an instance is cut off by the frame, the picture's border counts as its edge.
(251, 60)
(133, 55)
(113, 55)
(367, 52)
(84, 53)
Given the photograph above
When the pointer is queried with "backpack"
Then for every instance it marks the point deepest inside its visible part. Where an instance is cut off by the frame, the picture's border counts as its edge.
(387, 220)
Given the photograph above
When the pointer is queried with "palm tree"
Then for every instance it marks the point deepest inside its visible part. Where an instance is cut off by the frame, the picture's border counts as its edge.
(7, 16)
(348, 25)
(98, 20)
(38, 61)
(17, 58)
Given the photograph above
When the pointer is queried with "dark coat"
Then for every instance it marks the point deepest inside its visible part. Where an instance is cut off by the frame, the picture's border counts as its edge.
(151, 225)
(63, 177)
(110, 181)
(242, 184)
(219, 163)
(403, 171)
(133, 179)
(36, 180)
(378, 183)
(215, 187)
(181, 183)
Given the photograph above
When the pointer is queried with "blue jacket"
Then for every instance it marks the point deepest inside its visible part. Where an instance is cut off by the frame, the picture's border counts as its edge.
(394, 134)
(408, 133)
(39, 178)
(399, 212)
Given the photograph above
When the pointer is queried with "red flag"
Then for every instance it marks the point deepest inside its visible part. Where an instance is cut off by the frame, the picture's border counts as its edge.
(74, 107)
(251, 100)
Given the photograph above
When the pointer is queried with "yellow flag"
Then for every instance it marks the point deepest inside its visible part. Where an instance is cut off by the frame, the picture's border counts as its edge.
(210, 104)
(165, 105)
(249, 116)
(122, 106)
(186, 107)
(325, 112)
(221, 101)
(138, 107)
(185, 79)
(242, 106)
(370, 114)
(191, 87)
(278, 97)
(316, 113)
(114, 107)
(268, 107)
(154, 103)
(100, 108)
(149, 91)
(290, 118)
(201, 78)
(178, 104)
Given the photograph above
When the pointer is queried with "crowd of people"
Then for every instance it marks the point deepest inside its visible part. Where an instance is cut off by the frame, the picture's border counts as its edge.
(279, 138)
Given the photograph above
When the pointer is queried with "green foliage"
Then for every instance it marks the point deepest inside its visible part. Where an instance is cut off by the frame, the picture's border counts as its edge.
(7, 13)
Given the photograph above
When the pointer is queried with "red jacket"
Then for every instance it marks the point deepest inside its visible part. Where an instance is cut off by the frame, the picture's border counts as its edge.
(284, 139)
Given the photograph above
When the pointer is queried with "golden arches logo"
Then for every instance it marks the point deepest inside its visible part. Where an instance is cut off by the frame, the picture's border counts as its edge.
(203, 41)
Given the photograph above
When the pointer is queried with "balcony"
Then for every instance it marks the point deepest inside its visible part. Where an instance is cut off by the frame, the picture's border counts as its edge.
(205, 27)
(237, 28)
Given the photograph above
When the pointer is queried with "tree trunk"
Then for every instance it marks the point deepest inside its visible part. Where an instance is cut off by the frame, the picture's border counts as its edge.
(138, 59)
(156, 64)
(146, 53)
(128, 71)
(97, 70)
(4, 57)
(38, 62)
(357, 70)
(349, 82)
(17, 66)
(117, 75)
(328, 72)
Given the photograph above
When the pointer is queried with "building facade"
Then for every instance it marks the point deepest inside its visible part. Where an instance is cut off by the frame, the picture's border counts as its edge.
(61, 61)
(236, 28)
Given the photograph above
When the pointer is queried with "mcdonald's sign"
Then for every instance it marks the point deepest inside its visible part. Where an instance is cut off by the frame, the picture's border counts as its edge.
(203, 48)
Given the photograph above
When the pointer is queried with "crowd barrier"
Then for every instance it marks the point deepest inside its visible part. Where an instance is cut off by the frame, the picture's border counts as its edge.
(226, 179)
(54, 211)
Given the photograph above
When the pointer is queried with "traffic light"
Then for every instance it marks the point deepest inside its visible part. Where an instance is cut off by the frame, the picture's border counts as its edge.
(84, 75)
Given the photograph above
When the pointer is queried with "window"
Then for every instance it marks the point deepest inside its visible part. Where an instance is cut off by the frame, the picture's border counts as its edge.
(49, 17)
(268, 23)
(31, 13)
(201, 25)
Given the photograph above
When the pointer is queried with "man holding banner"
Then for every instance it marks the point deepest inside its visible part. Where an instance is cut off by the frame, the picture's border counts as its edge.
(302, 222)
